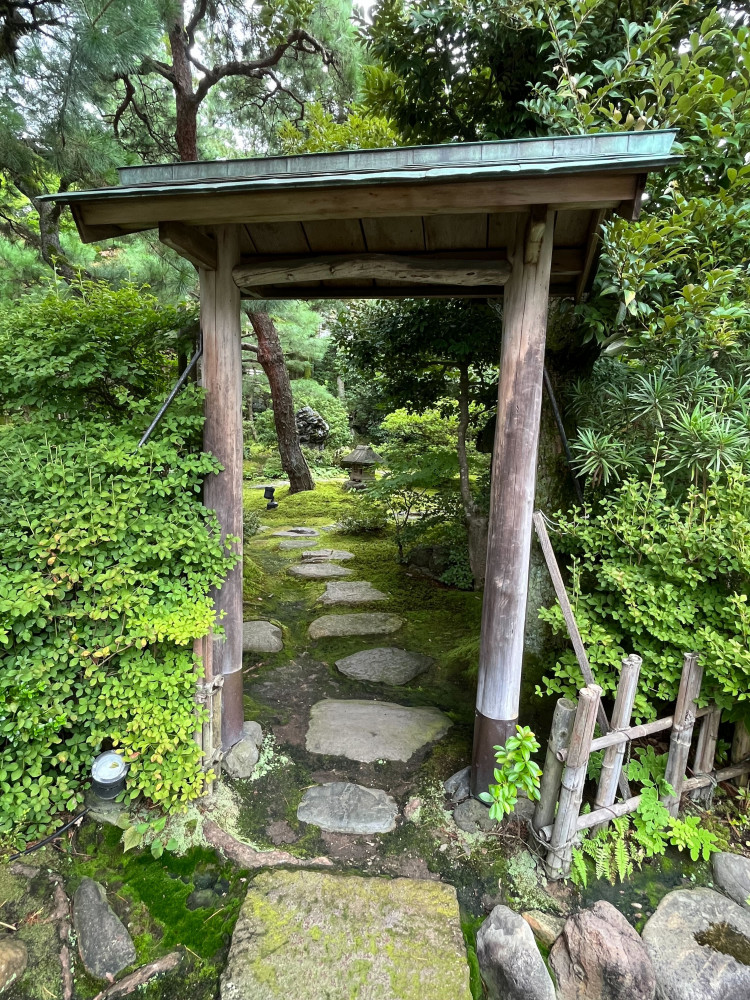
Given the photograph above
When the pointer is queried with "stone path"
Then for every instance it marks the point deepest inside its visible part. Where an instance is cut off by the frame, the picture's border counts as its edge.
(358, 624)
(342, 807)
(319, 570)
(372, 730)
(356, 592)
(333, 937)
(296, 533)
(385, 665)
(294, 543)
(261, 637)
(327, 555)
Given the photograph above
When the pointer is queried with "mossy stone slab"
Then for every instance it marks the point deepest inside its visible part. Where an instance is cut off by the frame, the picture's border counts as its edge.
(337, 937)
(343, 807)
(327, 555)
(261, 637)
(352, 592)
(295, 543)
(372, 730)
(296, 533)
(359, 624)
(384, 665)
(319, 570)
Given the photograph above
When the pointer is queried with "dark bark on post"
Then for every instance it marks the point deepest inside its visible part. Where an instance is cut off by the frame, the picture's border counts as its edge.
(222, 437)
(512, 493)
(271, 359)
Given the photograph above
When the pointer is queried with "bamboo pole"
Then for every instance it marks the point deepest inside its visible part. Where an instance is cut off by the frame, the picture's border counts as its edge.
(549, 791)
(574, 776)
(741, 748)
(682, 729)
(613, 756)
(633, 733)
(572, 626)
(724, 774)
(705, 752)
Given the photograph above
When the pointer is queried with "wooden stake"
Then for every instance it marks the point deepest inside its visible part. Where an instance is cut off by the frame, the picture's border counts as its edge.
(705, 752)
(741, 748)
(613, 757)
(574, 776)
(512, 495)
(222, 436)
(682, 729)
(559, 737)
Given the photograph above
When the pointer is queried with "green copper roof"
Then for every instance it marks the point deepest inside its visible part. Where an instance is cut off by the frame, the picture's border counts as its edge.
(570, 154)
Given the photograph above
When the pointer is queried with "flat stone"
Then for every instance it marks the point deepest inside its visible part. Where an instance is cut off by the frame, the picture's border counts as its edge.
(296, 533)
(356, 592)
(318, 936)
(692, 939)
(385, 665)
(322, 555)
(240, 761)
(360, 624)
(510, 963)
(473, 816)
(342, 807)
(599, 956)
(105, 946)
(458, 786)
(14, 958)
(732, 875)
(373, 730)
(261, 637)
(293, 543)
(319, 571)
(545, 927)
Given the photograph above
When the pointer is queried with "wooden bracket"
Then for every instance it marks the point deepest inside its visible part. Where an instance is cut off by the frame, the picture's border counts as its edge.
(189, 243)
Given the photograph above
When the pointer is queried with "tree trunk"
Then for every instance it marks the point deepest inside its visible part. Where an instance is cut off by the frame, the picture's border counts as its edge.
(186, 132)
(271, 359)
(476, 524)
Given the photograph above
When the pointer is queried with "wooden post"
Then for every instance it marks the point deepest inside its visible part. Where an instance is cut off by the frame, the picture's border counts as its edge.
(512, 492)
(559, 737)
(613, 757)
(741, 749)
(574, 776)
(682, 729)
(705, 752)
(222, 436)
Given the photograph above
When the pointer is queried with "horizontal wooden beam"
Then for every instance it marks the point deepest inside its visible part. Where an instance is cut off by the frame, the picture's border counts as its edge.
(378, 266)
(189, 243)
(616, 737)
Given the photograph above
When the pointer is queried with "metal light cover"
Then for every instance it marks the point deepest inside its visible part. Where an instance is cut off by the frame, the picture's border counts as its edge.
(108, 774)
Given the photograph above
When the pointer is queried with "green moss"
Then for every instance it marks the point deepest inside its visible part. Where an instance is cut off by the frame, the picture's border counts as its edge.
(252, 579)
(470, 925)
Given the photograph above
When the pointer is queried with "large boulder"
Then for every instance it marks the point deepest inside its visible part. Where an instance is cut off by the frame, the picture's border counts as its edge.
(509, 960)
(732, 875)
(319, 936)
(599, 956)
(14, 957)
(699, 944)
(312, 429)
(105, 946)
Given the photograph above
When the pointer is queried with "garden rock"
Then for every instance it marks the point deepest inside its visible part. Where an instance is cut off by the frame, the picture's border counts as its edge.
(14, 958)
(242, 758)
(599, 956)
(261, 637)
(342, 807)
(699, 943)
(732, 875)
(458, 786)
(312, 429)
(296, 533)
(472, 816)
(430, 560)
(385, 665)
(358, 592)
(329, 626)
(105, 946)
(509, 960)
(545, 927)
(319, 571)
(320, 936)
(372, 730)
(293, 543)
(321, 555)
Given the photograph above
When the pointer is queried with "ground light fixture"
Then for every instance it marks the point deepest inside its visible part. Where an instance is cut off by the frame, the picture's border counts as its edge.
(108, 773)
(268, 493)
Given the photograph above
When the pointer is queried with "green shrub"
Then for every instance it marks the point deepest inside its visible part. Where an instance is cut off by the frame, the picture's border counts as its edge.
(107, 560)
(660, 578)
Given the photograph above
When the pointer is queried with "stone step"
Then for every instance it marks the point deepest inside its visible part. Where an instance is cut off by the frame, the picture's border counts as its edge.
(355, 592)
(372, 730)
(319, 936)
(261, 637)
(319, 570)
(384, 665)
(327, 555)
(358, 624)
(342, 807)
(294, 543)
(296, 533)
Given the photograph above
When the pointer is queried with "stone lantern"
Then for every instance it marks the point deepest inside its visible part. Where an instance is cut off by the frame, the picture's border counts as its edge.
(361, 465)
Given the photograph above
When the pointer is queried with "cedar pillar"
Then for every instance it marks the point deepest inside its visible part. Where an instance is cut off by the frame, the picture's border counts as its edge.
(512, 492)
(222, 436)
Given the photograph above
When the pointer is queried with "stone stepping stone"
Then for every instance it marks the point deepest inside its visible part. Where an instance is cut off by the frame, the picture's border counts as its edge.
(359, 592)
(384, 665)
(326, 555)
(319, 571)
(361, 624)
(105, 946)
(293, 543)
(261, 637)
(342, 807)
(296, 533)
(372, 730)
(321, 936)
